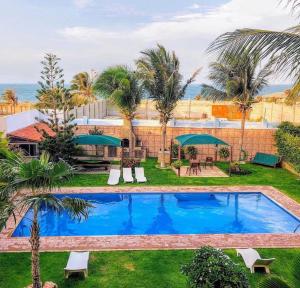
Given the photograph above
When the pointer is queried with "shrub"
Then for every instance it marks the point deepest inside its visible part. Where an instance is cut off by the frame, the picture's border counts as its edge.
(177, 164)
(192, 152)
(224, 153)
(273, 282)
(288, 143)
(175, 151)
(95, 131)
(235, 168)
(211, 268)
(244, 155)
(130, 163)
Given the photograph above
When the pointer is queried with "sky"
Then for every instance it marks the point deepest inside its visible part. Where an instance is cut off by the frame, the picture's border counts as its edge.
(94, 34)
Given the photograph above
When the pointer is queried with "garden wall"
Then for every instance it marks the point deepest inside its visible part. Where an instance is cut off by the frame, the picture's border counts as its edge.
(256, 140)
(195, 109)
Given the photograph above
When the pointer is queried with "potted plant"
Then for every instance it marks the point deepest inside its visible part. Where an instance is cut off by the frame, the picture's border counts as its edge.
(224, 153)
(192, 152)
(177, 165)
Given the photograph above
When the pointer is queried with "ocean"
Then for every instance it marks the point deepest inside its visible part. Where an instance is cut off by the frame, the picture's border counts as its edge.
(27, 92)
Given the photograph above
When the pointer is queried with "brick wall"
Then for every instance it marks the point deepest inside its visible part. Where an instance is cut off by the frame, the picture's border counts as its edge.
(256, 140)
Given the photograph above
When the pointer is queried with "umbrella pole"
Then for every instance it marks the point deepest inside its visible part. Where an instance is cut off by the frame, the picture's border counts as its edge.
(216, 153)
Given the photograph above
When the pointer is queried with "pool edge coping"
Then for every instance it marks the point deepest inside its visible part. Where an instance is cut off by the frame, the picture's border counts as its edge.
(154, 242)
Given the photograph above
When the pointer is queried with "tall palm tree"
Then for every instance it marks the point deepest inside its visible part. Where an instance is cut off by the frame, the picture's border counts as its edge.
(159, 71)
(9, 96)
(82, 88)
(39, 177)
(282, 45)
(239, 79)
(122, 87)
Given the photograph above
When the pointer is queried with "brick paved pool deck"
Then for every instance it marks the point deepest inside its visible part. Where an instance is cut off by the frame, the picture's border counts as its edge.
(94, 243)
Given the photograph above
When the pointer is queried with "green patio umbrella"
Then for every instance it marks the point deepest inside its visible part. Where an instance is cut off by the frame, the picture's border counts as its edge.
(199, 139)
(104, 140)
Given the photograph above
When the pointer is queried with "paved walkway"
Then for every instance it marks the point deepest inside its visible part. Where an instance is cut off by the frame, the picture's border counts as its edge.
(209, 171)
(16, 244)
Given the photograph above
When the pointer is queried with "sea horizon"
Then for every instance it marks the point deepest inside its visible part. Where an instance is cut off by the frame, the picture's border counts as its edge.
(26, 92)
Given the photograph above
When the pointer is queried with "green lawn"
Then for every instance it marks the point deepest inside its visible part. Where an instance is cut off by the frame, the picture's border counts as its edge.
(147, 269)
(129, 269)
(279, 178)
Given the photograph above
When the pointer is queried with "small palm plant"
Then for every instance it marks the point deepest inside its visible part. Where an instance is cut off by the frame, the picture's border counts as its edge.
(159, 71)
(239, 79)
(38, 178)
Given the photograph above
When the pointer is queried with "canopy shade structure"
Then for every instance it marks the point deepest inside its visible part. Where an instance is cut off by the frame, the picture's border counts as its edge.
(199, 139)
(103, 140)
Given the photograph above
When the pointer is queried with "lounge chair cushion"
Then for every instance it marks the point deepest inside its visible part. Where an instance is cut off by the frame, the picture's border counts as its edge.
(140, 175)
(127, 175)
(266, 159)
(114, 177)
(78, 261)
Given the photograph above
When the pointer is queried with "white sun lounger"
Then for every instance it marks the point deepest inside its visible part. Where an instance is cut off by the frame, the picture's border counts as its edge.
(114, 177)
(253, 260)
(78, 262)
(127, 175)
(140, 174)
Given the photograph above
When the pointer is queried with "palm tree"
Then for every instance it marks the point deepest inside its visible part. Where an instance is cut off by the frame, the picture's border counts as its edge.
(282, 45)
(239, 79)
(82, 88)
(159, 71)
(122, 87)
(40, 177)
(9, 96)
(5, 151)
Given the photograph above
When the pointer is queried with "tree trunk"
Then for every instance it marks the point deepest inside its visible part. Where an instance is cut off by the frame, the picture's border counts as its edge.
(163, 144)
(131, 136)
(244, 113)
(35, 245)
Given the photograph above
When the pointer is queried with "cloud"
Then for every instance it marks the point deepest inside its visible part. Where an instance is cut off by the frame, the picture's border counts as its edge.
(87, 34)
(81, 4)
(188, 34)
(195, 6)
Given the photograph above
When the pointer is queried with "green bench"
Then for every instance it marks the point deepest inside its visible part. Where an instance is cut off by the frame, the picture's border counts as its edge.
(266, 159)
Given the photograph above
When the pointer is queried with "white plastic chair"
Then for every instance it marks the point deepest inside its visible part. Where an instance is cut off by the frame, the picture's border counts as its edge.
(140, 175)
(114, 177)
(127, 175)
(253, 260)
(77, 262)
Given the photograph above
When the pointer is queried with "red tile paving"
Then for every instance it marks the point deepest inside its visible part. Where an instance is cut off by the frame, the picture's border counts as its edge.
(31, 132)
(92, 243)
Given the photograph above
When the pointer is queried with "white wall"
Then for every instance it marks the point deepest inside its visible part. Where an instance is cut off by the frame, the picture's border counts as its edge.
(20, 120)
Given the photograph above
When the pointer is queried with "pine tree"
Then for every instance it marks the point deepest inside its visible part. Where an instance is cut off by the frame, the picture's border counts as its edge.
(55, 102)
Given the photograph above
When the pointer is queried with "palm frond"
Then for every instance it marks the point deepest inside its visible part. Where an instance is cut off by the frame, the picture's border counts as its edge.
(76, 207)
(263, 42)
(293, 94)
(212, 93)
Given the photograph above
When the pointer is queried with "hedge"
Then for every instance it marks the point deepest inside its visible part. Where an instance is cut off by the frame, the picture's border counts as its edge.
(288, 143)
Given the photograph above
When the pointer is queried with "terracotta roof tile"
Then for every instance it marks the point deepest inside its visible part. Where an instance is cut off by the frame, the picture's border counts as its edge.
(31, 133)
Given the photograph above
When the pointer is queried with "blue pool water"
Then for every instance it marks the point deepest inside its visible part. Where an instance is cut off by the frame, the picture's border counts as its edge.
(168, 213)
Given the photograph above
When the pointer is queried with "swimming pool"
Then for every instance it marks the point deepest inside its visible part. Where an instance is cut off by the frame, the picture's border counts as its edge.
(167, 213)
